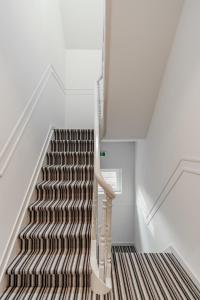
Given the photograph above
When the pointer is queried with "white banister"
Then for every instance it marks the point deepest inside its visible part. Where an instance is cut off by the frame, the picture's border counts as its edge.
(101, 273)
(101, 256)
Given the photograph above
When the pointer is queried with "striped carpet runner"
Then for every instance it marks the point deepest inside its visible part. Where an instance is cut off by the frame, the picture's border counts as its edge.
(150, 276)
(55, 245)
(135, 276)
(54, 261)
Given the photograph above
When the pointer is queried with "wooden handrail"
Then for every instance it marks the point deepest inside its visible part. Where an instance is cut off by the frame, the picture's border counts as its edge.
(97, 126)
(105, 186)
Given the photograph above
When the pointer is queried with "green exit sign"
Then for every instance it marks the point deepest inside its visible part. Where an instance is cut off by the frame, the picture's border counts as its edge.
(103, 154)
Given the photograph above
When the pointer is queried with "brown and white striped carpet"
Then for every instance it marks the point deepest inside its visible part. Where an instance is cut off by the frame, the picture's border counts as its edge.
(150, 276)
(54, 261)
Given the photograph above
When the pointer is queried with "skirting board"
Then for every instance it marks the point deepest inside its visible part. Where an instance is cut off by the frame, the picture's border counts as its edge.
(123, 244)
(171, 249)
(25, 203)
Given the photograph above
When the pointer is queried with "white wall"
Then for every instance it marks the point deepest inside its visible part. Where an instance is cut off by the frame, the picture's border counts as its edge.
(30, 100)
(82, 22)
(173, 135)
(83, 67)
(120, 155)
(83, 32)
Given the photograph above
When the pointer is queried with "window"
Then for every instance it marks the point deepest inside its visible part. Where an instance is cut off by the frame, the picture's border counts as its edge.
(114, 178)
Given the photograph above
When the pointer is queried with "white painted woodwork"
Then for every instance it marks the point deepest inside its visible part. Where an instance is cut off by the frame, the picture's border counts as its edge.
(101, 275)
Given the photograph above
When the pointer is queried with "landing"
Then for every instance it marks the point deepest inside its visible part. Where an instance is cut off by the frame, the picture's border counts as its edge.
(150, 276)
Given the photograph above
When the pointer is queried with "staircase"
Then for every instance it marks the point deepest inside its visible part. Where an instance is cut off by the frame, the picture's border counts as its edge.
(54, 261)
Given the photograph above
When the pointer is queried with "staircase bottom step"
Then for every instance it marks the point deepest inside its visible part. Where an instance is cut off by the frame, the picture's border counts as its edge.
(53, 280)
(51, 294)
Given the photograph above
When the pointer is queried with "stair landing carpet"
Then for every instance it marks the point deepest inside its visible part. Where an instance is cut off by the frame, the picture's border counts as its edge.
(149, 276)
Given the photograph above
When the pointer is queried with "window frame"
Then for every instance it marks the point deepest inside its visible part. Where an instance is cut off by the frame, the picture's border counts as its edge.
(118, 172)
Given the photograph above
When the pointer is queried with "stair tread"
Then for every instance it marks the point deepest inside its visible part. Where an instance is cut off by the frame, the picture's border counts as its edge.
(55, 230)
(51, 262)
(61, 204)
(53, 293)
(69, 158)
(83, 134)
(63, 167)
(65, 182)
(56, 184)
(73, 141)
(75, 153)
(62, 190)
(72, 145)
(70, 153)
(63, 173)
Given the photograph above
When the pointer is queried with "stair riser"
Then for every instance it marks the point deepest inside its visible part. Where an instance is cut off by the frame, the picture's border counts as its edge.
(64, 193)
(74, 134)
(62, 158)
(59, 216)
(72, 146)
(55, 243)
(60, 280)
(66, 174)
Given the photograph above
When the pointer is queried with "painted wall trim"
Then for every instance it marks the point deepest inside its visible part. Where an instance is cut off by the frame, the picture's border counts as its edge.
(123, 245)
(17, 132)
(180, 259)
(81, 92)
(185, 165)
(25, 203)
(118, 141)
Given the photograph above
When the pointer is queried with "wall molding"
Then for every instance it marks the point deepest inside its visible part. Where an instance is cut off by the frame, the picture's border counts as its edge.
(185, 165)
(17, 132)
(81, 92)
(118, 141)
(180, 259)
(24, 206)
(123, 244)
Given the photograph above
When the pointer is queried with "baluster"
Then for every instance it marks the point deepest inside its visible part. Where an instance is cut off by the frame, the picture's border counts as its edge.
(95, 210)
(109, 238)
(102, 246)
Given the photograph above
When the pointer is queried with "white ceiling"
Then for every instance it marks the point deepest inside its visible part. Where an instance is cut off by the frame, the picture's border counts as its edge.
(140, 37)
(82, 23)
